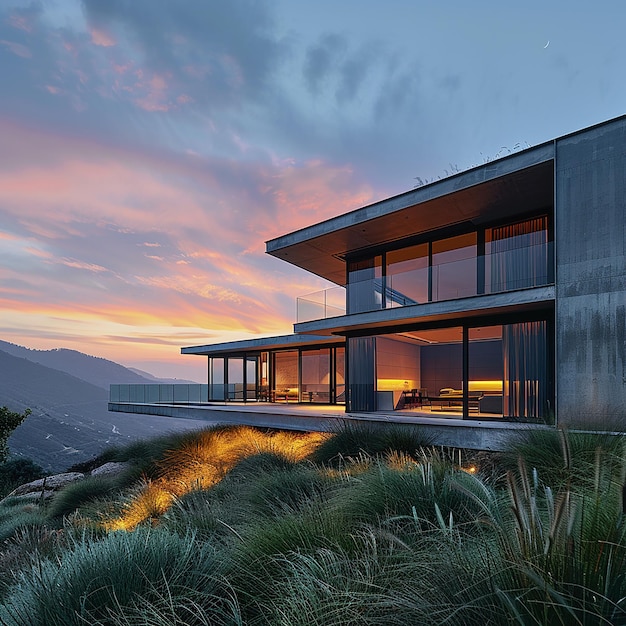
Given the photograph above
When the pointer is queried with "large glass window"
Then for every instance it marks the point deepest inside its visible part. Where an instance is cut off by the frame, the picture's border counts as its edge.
(407, 276)
(286, 375)
(235, 386)
(216, 379)
(340, 375)
(454, 270)
(315, 367)
(490, 260)
(486, 371)
(516, 255)
(251, 377)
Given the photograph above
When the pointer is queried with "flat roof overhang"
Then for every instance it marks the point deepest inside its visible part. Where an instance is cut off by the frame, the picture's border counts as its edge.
(433, 313)
(283, 342)
(516, 184)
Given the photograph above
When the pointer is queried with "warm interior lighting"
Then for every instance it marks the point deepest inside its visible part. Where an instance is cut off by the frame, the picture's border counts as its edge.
(485, 385)
(395, 384)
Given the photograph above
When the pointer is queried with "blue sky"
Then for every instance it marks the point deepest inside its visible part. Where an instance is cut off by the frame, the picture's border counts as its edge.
(150, 147)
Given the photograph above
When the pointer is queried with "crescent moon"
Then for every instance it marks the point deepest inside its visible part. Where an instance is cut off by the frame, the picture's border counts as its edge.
(546, 44)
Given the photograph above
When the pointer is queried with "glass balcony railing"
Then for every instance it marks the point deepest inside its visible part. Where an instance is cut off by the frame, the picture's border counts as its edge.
(159, 394)
(318, 305)
(497, 272)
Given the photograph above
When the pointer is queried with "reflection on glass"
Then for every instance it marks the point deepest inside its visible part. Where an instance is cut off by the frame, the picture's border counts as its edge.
(407, 276)
(454, 267)
(235, 378)
(364, 289)
(251, 377)
(486, 370)
(340, 375)
(216, 379)
(315, 367)
(286, 376)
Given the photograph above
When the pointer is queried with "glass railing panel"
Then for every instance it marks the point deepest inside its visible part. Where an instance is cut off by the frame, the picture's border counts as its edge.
(217, 391)
(518, 268)
(114, 393)
(165, 393)
(152, 394)
(453, 280)
(180, 393)
(329, 302)
(406, 288)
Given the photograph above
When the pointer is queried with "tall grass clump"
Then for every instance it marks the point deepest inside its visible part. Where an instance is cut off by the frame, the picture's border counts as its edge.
(15, 514)
(109, 581)
(564, 457)
(352, 439)
(76, 495)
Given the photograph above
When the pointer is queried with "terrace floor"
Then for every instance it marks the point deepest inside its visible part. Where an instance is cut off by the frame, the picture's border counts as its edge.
(478, 432)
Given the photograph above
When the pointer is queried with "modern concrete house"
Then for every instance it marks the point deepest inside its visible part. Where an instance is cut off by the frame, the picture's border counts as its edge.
(495, 295)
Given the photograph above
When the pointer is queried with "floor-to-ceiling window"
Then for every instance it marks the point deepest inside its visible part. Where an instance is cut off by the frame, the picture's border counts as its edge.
(286, 376)
(485, 370)
(517, 255)
(491, 259)
(217, 389)
(338, 394)
(499, 370)
(315, 367)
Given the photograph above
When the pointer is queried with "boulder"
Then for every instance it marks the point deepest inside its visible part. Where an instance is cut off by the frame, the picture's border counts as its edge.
(49, 483)
(109, 469)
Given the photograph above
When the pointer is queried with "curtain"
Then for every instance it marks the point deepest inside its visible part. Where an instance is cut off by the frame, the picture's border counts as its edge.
(361, 373)
(519, 255)
(524, 348)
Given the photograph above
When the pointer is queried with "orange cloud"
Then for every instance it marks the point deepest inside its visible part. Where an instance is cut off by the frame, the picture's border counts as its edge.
(92, 223)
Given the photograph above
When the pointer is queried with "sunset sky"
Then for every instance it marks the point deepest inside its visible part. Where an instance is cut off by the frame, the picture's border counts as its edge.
(149, 148)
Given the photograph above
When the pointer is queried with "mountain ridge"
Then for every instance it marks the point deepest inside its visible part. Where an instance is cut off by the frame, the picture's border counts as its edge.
(92, 369)
(70, 421)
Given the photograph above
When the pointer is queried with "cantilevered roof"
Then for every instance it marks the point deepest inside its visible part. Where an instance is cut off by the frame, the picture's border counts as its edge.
(518, 183)
(264, 343)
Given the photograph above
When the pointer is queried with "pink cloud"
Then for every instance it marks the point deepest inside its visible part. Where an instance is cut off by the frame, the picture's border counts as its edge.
(20, 22)
(210, 265)
(101, 38)
(17, 48)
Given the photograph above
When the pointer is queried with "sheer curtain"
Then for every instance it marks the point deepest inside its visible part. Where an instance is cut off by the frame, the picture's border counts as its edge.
(525, 369)
(519, 255)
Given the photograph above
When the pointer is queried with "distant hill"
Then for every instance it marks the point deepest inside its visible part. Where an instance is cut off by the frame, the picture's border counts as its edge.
(95, 370)
(70, 421)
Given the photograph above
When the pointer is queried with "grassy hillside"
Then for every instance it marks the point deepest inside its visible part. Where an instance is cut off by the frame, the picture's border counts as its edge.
(242, 526)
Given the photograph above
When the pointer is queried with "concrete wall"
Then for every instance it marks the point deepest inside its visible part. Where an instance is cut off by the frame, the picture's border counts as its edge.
(590, 231)
(397, 362)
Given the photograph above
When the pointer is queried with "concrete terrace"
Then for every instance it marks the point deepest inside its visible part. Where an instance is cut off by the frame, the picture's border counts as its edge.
(445, 429)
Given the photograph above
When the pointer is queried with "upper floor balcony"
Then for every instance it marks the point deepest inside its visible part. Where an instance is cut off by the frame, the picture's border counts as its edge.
(382, 286)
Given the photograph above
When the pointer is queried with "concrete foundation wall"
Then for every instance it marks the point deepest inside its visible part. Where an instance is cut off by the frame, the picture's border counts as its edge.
(590, 231)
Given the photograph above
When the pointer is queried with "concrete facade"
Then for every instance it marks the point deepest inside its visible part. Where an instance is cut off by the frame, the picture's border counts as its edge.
(590, 235)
